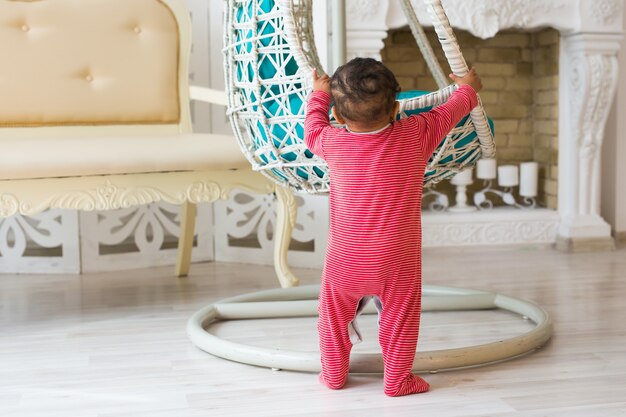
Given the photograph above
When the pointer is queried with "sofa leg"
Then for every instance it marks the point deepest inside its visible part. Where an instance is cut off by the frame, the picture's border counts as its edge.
(185, 240)
(286, 210)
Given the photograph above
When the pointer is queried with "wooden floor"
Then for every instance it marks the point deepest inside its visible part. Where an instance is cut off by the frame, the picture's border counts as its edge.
(114, 344)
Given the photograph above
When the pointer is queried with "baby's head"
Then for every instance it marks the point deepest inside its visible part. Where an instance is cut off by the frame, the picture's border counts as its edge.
(364, 92)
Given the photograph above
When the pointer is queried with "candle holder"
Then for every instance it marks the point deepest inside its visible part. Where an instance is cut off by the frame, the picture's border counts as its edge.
(461, 181)
(483, 203)
(440, 203)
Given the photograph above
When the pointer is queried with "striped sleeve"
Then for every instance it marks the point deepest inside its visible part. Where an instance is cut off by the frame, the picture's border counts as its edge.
(316, 123)
(435, 124)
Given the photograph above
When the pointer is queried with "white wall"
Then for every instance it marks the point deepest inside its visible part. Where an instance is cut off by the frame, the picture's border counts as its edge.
(206, 68)
(199, 63)
(614, 154)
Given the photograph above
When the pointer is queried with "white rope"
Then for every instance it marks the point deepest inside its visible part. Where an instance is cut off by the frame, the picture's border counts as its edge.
(459, 67)
(423, 44)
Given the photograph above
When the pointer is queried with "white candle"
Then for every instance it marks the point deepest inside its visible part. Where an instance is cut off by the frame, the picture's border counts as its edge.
(508, 176)
(486, 169)
(463, 177)
(529, 174)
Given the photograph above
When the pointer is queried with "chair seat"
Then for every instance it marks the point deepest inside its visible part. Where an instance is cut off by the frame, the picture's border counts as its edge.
(28, 158)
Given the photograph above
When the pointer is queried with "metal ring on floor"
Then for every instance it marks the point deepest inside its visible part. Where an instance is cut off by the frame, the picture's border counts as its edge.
(302, 302)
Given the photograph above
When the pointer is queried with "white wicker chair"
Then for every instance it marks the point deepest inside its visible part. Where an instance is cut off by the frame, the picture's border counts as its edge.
(269, 58)
(269, 54)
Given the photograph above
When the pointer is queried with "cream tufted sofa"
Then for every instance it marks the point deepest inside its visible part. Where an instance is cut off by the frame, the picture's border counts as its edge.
(94, 115)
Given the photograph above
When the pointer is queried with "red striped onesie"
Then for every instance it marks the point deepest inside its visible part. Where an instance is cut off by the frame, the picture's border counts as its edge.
(375, 236)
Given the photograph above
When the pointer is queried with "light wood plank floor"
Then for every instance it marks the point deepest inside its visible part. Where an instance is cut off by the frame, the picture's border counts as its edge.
(114, 344)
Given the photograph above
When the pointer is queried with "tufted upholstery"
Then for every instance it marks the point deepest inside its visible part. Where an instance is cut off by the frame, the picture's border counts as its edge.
(113, 62)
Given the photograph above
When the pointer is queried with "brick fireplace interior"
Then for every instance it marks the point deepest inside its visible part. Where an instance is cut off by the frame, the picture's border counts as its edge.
(520, 77)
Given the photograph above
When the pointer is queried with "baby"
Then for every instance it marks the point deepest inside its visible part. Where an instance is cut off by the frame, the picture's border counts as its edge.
(376, 168)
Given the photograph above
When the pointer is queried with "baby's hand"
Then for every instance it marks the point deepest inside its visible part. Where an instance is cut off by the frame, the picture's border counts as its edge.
(321, 83)
(471, 78)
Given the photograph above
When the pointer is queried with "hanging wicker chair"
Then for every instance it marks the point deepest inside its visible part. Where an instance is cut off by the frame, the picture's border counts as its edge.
(269, 57)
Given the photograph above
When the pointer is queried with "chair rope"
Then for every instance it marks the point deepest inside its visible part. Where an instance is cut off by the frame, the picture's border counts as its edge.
(455, 58)
(423, 44)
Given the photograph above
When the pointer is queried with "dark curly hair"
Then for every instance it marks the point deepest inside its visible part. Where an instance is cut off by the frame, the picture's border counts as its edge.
(363, 89)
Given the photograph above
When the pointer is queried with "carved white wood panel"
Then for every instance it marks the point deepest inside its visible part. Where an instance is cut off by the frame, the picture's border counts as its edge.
(245, 224)
(139, 237)
(500, 226)
(44, 243)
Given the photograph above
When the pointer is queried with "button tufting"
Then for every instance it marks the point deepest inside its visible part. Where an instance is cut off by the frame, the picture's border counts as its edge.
(25, 28)
(89, 77)
(137, 29)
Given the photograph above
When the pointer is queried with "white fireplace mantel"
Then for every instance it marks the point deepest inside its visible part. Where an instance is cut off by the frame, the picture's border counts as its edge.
(591, 34)
(369, 20)
(485, 18)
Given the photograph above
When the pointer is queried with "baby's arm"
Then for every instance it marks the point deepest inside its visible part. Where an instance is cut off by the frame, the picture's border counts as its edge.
(437, 123)
(317, 122)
